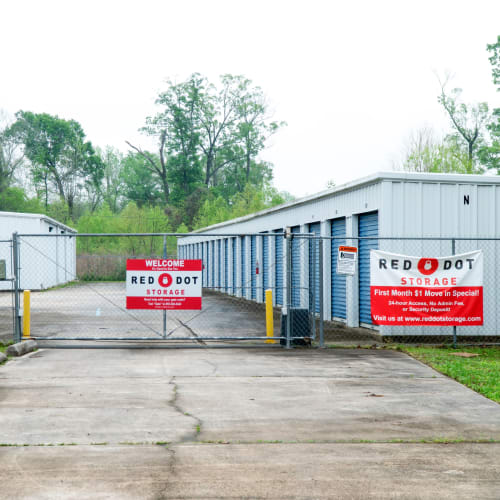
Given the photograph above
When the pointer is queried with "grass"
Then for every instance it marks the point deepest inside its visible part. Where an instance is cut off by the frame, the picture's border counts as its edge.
(481, 373)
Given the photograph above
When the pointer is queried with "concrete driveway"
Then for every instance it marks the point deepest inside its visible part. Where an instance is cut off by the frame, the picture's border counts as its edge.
(241, 423)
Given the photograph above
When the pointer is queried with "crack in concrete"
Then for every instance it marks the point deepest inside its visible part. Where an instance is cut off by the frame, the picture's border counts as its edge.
(170, 476)
(189, 329)
(175, 405)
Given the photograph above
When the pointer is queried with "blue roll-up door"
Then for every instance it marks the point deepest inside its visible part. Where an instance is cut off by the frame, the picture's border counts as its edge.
(278, 266)
(233, 246)
(314, 267)
(296, 270)
(338, 280)
(219, 263)
(243, 266)
(226, 265)
(368, 227)
(265, 265)
(204, 259)
(253, 261)
(212, 264)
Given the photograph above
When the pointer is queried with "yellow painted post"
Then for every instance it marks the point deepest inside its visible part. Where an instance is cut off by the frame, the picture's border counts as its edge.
(26, 314)
(269, 317)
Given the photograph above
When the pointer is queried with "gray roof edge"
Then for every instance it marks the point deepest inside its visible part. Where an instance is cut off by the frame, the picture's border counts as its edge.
(50, 220)
(370, 179)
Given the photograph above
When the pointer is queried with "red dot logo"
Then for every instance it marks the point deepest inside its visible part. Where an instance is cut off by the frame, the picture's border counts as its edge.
(427, 266)
(165, 280)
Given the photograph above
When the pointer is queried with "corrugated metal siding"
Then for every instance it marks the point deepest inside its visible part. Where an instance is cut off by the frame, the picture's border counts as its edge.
(226, 265)
(338, 292)
(233, 246)
(253, 260)
(296, 268)
(278, 267)
(314, 267)
(265, 263)
(368, 227)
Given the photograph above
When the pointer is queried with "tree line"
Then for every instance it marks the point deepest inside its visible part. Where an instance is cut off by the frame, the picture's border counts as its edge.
(473, 144)
(205, 167)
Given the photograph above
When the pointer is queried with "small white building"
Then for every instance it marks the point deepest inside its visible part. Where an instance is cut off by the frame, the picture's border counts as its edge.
(387, 207)
(45, 261)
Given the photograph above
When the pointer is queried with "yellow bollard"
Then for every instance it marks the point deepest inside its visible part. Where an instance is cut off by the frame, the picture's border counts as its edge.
(26, 314)
(269, 317)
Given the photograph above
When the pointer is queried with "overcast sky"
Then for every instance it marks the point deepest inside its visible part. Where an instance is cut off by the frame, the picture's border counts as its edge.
(351, 78)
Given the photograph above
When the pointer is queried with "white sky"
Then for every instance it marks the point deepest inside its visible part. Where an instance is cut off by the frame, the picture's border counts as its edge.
(351, 78)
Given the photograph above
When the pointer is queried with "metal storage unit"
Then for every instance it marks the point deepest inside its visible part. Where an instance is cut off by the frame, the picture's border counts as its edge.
(409, 205)
(44, 261)
(253, 262)
(338, 291)
(296, 267)
(265, 264)
(368, 227)
(314, 267)
(278, 267)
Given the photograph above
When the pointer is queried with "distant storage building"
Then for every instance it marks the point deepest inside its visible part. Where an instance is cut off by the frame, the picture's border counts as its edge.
(45, 262)
(382, 208)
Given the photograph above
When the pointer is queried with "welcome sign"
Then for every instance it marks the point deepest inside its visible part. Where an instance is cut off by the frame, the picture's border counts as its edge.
(426, 291)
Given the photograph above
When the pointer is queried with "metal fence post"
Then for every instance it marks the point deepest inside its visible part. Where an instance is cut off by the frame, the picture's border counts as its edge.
(17, 312)
(288, 240)
(321, 291)
(454, 326)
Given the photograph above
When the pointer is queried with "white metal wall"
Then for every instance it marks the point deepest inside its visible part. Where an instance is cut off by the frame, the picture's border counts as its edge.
(45, 262)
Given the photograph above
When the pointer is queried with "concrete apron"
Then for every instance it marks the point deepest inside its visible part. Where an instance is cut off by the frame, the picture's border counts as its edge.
(267, 405)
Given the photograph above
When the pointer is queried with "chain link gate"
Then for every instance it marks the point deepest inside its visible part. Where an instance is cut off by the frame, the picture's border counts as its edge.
(79, 292)
(77, 282)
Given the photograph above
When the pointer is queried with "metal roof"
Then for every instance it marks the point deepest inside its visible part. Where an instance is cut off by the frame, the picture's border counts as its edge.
(371, 179)
(46, 218)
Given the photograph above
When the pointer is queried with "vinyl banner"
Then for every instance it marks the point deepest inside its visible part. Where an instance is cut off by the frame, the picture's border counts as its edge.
(426, 291)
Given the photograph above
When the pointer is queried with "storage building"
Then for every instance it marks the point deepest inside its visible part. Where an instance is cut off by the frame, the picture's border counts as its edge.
(45, 262)
(380, 209)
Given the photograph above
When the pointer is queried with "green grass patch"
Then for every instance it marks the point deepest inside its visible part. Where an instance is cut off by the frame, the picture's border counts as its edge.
(480, 373)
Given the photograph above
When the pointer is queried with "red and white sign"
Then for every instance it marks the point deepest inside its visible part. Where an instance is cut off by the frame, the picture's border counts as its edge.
(163, 284)
(426, 291)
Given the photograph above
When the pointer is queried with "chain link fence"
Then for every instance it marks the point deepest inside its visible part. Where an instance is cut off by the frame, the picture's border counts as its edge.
(6, 291)
(79, 291)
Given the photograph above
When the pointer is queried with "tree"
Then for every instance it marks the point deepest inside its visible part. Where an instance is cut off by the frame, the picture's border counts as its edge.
(210, 136)
(491, 154)
(424, 152)
(59, 154)
(469, 123)
(113, 181)
(11, 157)
(494, 50)
(140, 185)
